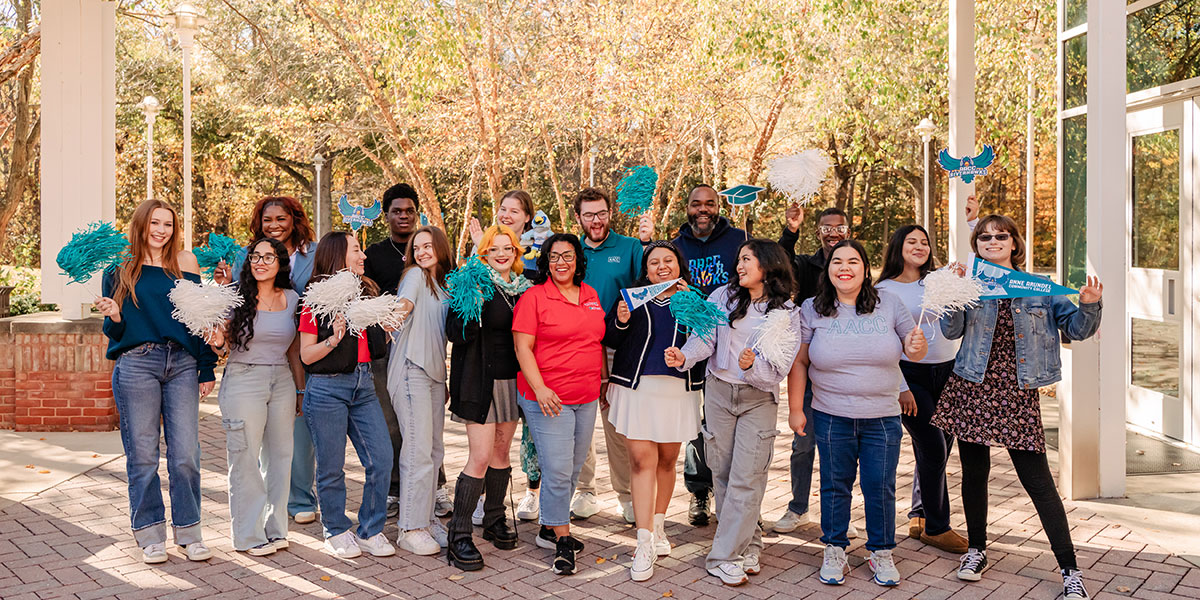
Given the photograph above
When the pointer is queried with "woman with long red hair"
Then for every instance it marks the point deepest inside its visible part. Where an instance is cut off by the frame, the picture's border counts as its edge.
(161, 373)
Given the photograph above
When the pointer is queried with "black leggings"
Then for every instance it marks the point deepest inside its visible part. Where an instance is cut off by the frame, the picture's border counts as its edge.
(1034, 473)
(931, 446)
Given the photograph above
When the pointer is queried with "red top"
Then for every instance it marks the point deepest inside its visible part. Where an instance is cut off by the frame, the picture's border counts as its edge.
(309, 325)
(566, 341)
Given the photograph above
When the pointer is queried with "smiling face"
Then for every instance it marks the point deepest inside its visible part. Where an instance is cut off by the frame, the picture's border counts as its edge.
(750, 274)
(502, 254)
(423, 251)
(161, 228)
(264, 263)
(594, 215)
(277, 223)
(355, 257)
(916, 249)
(402, 216)
(995, 244)
(846, 271)
(512, 214)
(702, 211)
(661, 265)
(562, 262)
(831, 230)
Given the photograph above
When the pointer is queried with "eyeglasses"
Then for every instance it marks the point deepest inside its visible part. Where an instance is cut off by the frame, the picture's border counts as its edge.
(596, 216)
(999, 237)
(266, 259)
(828, 229)
(564, 257)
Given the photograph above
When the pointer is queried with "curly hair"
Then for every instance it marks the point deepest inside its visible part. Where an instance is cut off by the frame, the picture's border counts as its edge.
(302, 231)
(241, 325)
(543, 261)
(779, 283)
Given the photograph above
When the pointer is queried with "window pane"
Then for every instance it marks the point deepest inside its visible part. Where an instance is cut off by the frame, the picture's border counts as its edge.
(1154, 355)
(1156, 200)
(1164, 44)
(1075, 72)
(1074, 199)
(1074, 13)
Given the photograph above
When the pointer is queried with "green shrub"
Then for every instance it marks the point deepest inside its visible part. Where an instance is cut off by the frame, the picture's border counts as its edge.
(27, 296)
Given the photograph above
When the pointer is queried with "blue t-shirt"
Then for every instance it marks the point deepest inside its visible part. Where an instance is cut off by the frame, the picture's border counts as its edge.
(612, 266)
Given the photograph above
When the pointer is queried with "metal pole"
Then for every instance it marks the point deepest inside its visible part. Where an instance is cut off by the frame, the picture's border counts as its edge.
(318, 164)
(149, 156)
(926, 206)
(187, 139)
(1029, 175)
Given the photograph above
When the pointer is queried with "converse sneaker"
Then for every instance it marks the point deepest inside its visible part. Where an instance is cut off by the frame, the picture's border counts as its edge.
(834, 567)
(154, 554)
(583, 505)
(643, 557)
(751, 564)
(377, 545)
(789, 522)
(527, 510)
(884, 567)
(729, 573)
(972, 565)
(477, 516)
(419, 542)
(1073, 585)
(343, 545)
(662, 546)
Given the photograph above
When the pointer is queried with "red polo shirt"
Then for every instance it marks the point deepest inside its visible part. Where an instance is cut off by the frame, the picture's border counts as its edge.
(566, 341)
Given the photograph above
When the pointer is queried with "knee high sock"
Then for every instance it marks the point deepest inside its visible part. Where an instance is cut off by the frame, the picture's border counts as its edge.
(466, 496)
(495, 484)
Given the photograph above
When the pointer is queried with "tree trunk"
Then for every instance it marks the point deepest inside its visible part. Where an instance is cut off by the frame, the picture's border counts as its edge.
(467, 212)
(764, 138)
(552, 162)
(25, 138)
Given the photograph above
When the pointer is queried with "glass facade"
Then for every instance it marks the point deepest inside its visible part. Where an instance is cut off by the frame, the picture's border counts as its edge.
(1154, 355)
(1075, 77)
(1074, 200)
(1155, 182)
(1163, 44)
(1074, 13)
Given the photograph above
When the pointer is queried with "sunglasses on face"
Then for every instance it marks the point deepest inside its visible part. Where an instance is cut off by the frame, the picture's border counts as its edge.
(266, 259)
(999, 237)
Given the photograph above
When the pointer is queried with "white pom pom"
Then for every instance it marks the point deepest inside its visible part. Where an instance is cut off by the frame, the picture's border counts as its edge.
(332, 296)
(798, 176)
(202, 308)
(777, 340)
(385, 311)
(946, 291)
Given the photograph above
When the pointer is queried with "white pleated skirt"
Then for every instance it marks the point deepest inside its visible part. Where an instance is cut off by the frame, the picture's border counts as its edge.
(660, 410)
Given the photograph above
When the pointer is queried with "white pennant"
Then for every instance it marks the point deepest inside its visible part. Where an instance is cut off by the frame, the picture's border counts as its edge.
(636, 297)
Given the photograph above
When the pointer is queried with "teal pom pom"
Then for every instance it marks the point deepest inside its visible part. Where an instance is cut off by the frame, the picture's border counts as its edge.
(219, 248)
(92, 250)
(635, 192)
(469, 286)
(695, 314)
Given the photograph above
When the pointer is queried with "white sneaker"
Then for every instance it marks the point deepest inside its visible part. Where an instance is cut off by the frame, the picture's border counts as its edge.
(1073, 588)
(789, 522)
(833, 568)
(643, 557)
(477, 516)
(343, 545)
(154, 554)
(197, 551)
(443, 504)
(851, 531)
(627, 511)
(419, 542)
(583, 505)
(662, 546)
(884, 566)
(305, 516)
(377, 545)
(751, 564)
(280, 543)
(730, 574)
(263, 549)
(439, 533)
(527, 509)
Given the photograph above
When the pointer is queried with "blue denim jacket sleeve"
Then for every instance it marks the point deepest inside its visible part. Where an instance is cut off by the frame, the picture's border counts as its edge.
(954, 324)
(1076, 322)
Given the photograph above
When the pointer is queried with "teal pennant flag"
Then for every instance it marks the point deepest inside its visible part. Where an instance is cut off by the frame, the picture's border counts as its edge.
(1001, 282)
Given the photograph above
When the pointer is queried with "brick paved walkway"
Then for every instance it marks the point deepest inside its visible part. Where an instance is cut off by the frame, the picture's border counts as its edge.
(73, 541)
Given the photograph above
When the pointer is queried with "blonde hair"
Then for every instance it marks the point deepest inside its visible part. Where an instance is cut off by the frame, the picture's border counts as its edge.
(139, 250)
(489, 237)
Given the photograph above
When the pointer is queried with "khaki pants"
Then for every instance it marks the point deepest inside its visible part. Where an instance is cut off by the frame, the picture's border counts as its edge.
(618, 458)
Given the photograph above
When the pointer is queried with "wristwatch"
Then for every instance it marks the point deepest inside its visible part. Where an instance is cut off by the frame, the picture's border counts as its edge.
(328, 345)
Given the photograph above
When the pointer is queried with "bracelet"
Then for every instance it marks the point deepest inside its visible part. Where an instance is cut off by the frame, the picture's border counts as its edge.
(300, 392)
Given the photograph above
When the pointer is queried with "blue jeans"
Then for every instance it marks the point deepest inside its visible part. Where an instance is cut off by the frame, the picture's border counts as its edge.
(336, 406)
(302, 496)
(562, 445)
(804, 450)
(871, 447)
(153, 382)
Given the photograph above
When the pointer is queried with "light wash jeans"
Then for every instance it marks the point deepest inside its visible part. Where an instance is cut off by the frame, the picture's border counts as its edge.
(562, 447)
(739, 442)
(420, 404)
(337, 406)
(258, 411)
(303, 494)
(155, 383)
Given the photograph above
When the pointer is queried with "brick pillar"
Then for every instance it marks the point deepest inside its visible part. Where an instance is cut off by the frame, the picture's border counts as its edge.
(54, 376)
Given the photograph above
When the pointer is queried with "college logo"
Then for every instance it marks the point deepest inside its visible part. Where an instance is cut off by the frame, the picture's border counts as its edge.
(708, 271)
(967, 167)
(859, 326)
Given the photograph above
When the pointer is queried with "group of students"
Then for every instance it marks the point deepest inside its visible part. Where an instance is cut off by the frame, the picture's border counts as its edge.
(553, 345)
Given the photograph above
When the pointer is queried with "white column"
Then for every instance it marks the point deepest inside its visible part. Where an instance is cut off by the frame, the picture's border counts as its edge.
(185, 41)
(78, 154)
(962, 117)
(1092, 453)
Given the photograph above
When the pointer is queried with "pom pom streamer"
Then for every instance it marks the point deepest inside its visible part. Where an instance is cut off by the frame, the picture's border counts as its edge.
(219, 248)
(332, 296)
(695, 314)
(91, 250)
(203, 308)
(799, 176)
(469, 286)
(384, 311)
(946, 292)
(776, 339)
(635, 191)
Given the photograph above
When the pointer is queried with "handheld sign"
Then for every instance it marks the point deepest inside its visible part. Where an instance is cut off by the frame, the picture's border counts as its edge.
(967, 167)
(741, 195)
(358, 217)
(636, 297)
(1002, 282)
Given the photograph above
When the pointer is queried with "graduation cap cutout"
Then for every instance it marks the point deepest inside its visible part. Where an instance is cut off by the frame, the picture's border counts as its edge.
(740, 195)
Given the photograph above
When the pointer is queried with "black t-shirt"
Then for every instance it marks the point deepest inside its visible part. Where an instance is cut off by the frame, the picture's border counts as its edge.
(385, 265)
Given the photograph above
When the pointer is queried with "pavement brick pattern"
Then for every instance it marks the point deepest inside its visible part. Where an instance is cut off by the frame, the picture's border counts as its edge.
(73, 542)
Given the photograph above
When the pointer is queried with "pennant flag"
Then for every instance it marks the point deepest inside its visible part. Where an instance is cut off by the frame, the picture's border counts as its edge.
(1000, 282)
(636, 297)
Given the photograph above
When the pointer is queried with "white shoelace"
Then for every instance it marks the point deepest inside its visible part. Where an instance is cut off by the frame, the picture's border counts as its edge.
(971, 560)
(831, 557)
(1073, 583)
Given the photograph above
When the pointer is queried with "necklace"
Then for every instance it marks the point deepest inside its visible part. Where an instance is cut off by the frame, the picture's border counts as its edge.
(398, 251)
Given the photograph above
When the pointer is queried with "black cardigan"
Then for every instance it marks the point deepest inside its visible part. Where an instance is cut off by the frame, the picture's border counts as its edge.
(472, 366)
(632, 341)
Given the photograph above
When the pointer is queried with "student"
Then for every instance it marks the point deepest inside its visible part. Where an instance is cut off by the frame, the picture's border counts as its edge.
(558, 326)
(339, 402)
(908, 258)
(261, 393)
(483, 395)
(417, 386)
(161, 372)
(654, 406)
(852, 339)
(741, 403)
(1009, 350)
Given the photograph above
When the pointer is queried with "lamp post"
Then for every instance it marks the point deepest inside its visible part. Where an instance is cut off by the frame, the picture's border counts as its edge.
(318, 164)
(926, 129)
(187, 21)
(150, 107)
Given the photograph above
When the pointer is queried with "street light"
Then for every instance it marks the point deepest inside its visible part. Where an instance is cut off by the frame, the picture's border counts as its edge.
(150, 107)
(318, 163)
(926, 129)
(187, 21)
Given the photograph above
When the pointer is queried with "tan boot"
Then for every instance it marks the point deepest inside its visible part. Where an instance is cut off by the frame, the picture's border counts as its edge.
(916, 527)
(949, 541)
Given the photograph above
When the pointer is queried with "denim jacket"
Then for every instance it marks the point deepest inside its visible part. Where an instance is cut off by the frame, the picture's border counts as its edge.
(1036, 321)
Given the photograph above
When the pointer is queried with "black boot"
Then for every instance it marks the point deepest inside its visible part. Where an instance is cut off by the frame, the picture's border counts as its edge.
(495, 524)
(462, 552)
